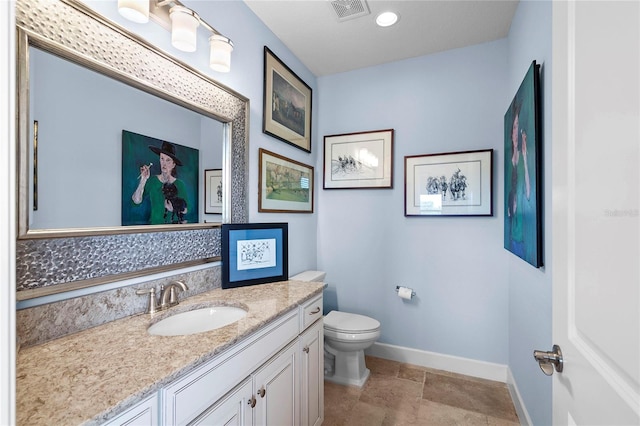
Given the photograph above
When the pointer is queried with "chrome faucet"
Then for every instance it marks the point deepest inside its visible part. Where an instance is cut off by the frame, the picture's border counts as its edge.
(168, 296)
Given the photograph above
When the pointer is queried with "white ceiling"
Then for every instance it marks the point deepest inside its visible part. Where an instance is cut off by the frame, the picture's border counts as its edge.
(312, 31)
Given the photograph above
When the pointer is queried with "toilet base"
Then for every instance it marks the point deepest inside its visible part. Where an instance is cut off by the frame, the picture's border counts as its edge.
(349, 368)
(348, 381)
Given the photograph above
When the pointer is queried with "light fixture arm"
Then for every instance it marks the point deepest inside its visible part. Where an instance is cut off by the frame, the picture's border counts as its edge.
(159, 13)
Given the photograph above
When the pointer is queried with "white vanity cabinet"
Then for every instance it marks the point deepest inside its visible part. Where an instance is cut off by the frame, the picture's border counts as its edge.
(311, 349)
(190, 396)
(145, 413)
(274, 377)
(234, 409)
(276, 389)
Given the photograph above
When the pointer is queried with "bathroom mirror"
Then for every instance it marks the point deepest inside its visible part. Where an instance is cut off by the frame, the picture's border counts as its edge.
(89, 131)
(60, 256)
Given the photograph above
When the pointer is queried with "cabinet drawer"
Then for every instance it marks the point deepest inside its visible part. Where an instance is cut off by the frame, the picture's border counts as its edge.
(186, 398)
(311, 312)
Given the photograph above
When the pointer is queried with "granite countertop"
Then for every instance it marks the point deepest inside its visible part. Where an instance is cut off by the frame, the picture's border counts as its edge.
(96, 373)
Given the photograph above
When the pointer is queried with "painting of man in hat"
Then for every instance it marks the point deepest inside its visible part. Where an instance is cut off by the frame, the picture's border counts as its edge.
(160, 181)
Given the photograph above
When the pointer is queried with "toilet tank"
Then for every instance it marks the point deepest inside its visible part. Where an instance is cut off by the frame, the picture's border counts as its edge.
(315, 276)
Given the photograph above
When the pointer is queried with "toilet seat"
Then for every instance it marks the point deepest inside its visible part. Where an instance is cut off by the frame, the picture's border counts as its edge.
(348, 324)
(339, 336)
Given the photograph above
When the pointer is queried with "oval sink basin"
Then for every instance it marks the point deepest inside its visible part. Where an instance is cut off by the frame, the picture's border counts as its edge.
(197, 321)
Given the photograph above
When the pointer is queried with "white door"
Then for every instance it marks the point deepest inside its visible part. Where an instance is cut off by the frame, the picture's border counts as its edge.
(596, 218)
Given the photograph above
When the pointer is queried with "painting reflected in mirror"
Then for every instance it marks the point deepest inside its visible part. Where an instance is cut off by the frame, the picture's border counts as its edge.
(87, 162)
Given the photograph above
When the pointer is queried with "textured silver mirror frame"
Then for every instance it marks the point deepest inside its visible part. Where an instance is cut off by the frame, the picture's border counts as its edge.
(55, 261)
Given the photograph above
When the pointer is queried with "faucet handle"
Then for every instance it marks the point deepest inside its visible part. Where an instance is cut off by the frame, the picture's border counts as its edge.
(152, 306)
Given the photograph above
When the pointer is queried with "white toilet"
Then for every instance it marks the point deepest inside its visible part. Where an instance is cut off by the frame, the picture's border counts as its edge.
(346, 336)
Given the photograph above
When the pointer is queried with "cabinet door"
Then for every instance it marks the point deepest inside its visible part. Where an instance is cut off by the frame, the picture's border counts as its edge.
(234, 409)
(276, 387)
(145, 413)
(312, 375)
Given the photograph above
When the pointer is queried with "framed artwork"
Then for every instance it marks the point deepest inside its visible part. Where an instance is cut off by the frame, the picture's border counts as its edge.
(159, 181)
(449, 184)
(287, 104)
(284, 185)
(213, 191)
(359, 160)
(254, 253)
(522, 191)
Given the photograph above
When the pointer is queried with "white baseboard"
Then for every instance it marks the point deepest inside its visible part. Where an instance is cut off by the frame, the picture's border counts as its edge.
(454, 364)
(521, 410)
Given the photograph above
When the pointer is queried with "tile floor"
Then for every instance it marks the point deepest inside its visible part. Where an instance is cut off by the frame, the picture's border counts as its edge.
(404, 394)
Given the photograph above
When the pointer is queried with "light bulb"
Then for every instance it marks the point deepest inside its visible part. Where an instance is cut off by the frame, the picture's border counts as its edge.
(134, 10)
(220, 53)
(184, 26)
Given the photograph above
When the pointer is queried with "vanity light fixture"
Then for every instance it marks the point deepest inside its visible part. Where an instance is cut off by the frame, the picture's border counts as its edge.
(184, 28)
(134, 10)
(386, 19)
(183, 24)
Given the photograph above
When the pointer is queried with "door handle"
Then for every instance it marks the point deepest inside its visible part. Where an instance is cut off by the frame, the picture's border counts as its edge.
(549, 360)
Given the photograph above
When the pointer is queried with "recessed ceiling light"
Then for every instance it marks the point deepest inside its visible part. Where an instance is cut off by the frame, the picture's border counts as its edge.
(386, 19)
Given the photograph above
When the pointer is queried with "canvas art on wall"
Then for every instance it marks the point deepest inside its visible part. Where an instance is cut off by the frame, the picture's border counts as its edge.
(522, 144)
(159, 181)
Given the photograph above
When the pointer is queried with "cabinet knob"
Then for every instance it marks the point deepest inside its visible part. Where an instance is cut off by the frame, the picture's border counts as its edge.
(262, 392)
(305, 349)
(252, 401)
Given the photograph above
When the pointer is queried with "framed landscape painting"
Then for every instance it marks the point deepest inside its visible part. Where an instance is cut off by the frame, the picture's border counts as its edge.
(522, 191)
(284, 185)
(287, 104)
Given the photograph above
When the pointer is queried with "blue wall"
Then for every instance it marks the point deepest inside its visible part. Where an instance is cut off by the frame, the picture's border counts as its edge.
(235, 20)
(530, 288)
(447, 102)
(474, 299)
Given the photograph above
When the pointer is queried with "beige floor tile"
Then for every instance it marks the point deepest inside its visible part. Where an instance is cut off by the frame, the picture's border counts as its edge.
(411, 372)
(382, 367)
(364, 414)
(338, 401)
(435, 414)
(494, 421)
(391, 392)
(485, 397)
(399, 394)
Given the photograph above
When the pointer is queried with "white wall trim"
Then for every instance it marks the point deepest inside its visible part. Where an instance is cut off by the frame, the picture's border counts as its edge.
(7, 215)
(521, 409)
(454, 364)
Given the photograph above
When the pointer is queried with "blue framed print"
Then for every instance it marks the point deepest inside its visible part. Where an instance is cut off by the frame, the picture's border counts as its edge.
(254, 253)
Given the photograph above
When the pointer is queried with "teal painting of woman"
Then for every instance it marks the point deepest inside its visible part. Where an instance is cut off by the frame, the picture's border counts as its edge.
(159, 181)
(522, 227)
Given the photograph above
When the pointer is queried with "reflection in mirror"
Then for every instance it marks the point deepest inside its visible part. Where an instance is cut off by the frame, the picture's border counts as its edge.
(59, 260)
(81, 116)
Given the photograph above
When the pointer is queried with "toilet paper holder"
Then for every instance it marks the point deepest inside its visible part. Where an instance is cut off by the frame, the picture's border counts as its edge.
(413, 293)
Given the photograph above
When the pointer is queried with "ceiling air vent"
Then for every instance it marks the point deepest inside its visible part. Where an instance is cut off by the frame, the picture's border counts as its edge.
(349, 9)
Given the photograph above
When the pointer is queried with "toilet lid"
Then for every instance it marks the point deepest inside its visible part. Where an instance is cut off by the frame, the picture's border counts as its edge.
(352, 323)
